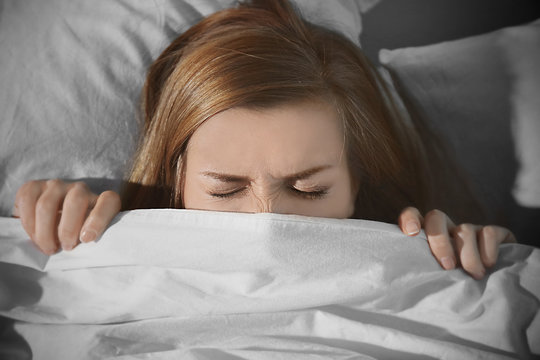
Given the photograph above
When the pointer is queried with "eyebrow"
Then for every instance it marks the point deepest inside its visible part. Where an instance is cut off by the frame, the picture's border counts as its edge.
(292, 177)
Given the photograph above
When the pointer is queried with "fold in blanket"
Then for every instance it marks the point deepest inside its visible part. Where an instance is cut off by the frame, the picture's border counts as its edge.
(209, 285)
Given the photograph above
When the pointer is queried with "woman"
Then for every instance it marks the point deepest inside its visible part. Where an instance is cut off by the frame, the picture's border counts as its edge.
(255, 110)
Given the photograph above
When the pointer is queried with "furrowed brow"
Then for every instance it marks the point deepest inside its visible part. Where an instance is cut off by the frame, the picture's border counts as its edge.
(224, 177)
(292, 177)
(306, 173)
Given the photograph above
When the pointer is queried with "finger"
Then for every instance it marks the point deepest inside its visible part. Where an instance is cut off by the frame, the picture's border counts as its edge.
(489, 239)
(25, 204)
(465, 236)
(74, 211)
(410, 221)
(47, 208)
(107, 206)
(438, 226)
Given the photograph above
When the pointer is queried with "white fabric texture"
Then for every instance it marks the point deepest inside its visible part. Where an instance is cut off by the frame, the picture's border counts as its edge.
(72, 73)
(481, 93)
(523, 56)
(190, 284)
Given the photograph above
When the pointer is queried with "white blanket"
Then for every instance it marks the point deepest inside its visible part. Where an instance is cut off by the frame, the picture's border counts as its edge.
(186, 284)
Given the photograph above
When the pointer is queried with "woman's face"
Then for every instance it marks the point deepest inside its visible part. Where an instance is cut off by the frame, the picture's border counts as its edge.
(289, 159)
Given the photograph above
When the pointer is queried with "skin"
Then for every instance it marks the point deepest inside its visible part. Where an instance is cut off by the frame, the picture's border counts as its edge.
(287, 159)
(265, 161)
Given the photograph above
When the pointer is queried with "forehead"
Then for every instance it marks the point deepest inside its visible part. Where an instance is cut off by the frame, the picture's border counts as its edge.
(279, 139)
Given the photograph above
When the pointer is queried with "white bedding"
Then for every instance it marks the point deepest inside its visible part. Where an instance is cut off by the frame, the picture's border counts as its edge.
(208, 285)
(72, 73)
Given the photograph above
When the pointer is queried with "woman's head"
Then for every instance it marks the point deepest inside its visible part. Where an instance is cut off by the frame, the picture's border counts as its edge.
(262, 59)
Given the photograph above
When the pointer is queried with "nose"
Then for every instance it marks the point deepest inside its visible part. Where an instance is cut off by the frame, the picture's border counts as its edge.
(266, 203)
(266, 206)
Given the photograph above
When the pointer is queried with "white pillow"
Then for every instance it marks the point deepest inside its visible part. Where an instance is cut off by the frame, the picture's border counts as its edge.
(523, 56)
(71, 77)
(481, 93)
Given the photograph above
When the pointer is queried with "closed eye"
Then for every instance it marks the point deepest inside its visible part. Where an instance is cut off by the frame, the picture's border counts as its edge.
(228, 194)
(310, 195)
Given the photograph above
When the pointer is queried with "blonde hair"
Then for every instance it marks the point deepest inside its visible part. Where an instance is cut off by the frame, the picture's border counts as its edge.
(259, 55)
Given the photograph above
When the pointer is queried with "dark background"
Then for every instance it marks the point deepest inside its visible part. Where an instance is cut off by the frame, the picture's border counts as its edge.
(395, 24)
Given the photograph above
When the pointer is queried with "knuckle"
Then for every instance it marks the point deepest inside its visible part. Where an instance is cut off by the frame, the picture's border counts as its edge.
(410, 209)
(80, 187)
(490, 232)
(54, 183)
(31, 184)
(79, 195)
(111, 197)
(44, 206)
(26, 189)
(465, 231)
(52, 191)
(34, 183)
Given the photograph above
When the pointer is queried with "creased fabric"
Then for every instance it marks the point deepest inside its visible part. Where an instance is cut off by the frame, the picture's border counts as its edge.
(190, 284)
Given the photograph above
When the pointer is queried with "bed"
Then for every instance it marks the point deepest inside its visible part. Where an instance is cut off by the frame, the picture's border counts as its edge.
(165, 283)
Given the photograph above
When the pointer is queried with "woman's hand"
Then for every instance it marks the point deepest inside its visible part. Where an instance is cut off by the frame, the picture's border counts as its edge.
(475, 247)
(58, 214)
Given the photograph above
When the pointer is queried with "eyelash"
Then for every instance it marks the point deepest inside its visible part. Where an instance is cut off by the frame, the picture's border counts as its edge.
(227, 195)
(311, 195)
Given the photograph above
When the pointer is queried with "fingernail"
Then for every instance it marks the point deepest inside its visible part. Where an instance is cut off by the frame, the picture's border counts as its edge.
(448, 262)
(88, 235)
(50, 251)
(67, 247)
(412, 228)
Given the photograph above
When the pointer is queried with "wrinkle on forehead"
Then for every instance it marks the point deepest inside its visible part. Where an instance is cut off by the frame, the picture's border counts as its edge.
(275, 141)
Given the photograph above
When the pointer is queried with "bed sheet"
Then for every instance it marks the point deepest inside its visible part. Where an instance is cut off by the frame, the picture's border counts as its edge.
(191, 284)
